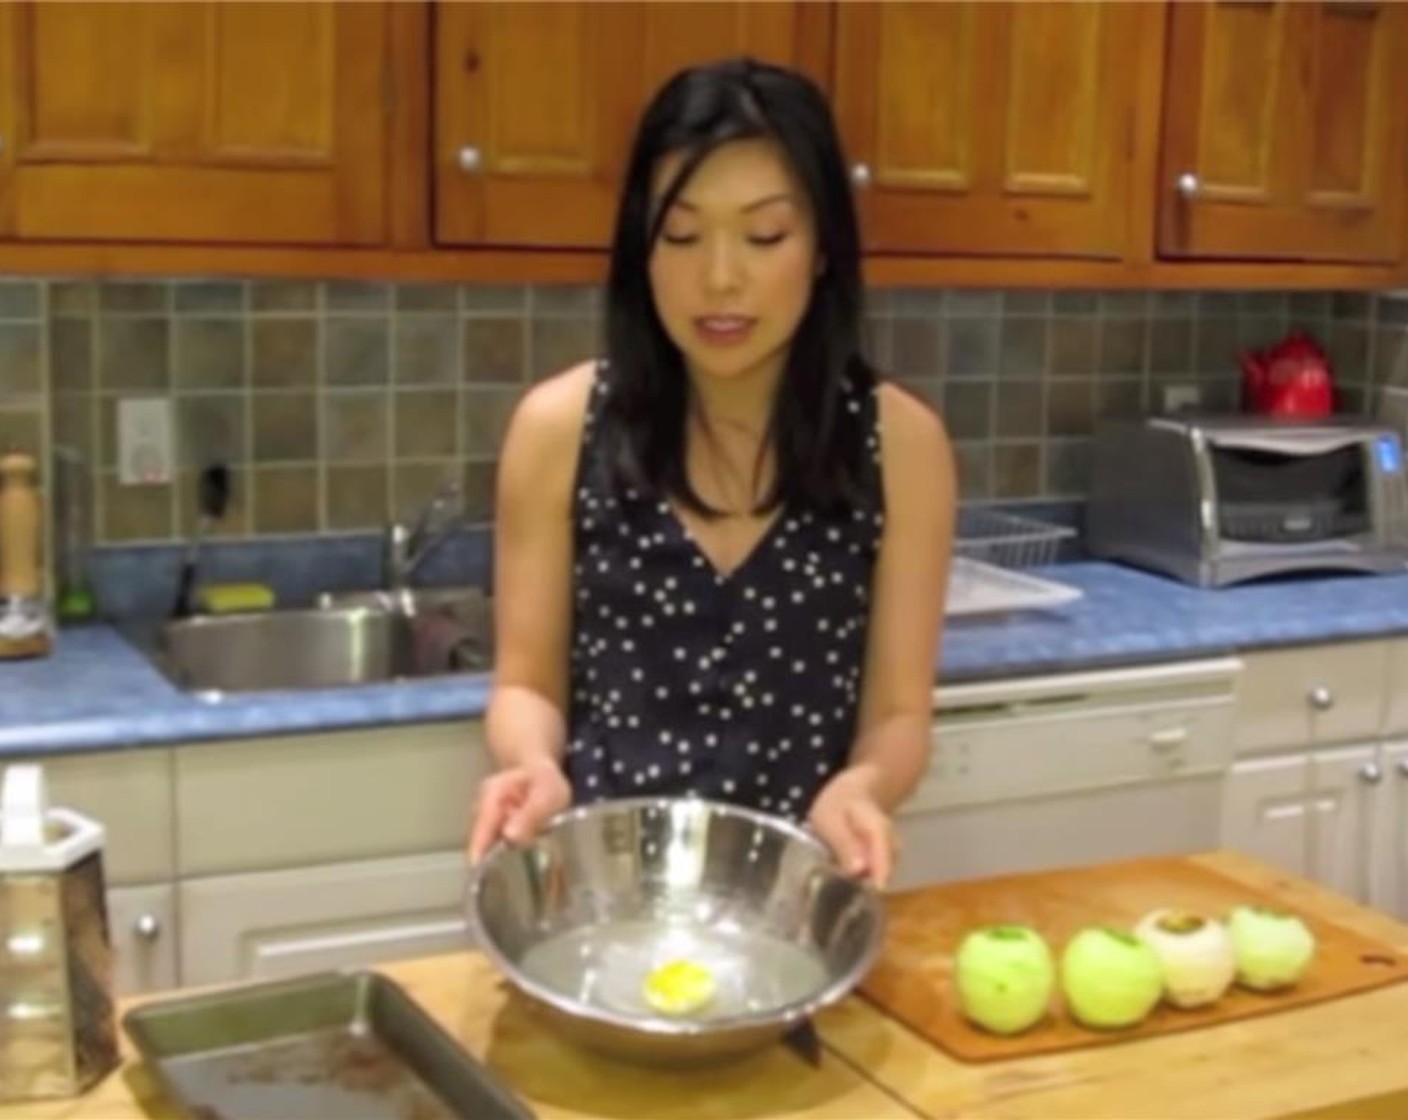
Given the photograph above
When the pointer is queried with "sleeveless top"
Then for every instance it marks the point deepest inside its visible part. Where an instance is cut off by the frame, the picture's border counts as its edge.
(741, 687)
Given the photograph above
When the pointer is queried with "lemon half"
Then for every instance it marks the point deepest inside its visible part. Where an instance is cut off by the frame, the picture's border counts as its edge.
(679, 987)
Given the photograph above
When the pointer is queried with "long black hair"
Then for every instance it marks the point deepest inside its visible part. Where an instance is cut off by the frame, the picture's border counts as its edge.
(818, 442)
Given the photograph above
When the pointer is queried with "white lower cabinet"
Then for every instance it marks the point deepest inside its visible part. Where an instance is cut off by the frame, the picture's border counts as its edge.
(142, 924)
(1044, 772)
(1317, 814)
(1169, 817)
(1390, 844)
(280, 923)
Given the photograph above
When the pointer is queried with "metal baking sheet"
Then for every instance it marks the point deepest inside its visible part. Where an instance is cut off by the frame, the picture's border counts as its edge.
(350, 1045)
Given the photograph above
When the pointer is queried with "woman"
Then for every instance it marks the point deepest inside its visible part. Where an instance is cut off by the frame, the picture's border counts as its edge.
(721, 553)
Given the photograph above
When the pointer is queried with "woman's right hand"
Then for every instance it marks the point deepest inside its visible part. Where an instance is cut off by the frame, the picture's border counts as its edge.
(516, 802)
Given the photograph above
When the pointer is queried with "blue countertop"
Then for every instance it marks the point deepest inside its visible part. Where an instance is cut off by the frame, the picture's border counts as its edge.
(97, 692)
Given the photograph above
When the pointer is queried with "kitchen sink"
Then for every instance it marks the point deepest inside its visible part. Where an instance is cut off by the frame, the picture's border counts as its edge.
(348, 638)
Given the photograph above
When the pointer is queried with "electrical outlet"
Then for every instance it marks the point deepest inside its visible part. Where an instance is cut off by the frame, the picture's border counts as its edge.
(144, 441)
(1178, 398)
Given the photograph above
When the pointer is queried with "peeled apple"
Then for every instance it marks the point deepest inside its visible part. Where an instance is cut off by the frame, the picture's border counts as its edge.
(1110, 978)
(1004, 976)
(1272, 948)
(1194, 952)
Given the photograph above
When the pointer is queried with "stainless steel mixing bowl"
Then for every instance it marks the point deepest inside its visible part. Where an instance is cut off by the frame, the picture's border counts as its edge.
(608, 892)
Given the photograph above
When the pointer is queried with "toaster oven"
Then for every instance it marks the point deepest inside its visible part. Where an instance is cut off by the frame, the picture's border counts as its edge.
(1219, 500)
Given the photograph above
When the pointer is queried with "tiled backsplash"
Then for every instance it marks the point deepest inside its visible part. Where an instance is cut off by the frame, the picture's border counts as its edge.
(1022, 376)
(337, 404)
(341, 404)
(1389, 374)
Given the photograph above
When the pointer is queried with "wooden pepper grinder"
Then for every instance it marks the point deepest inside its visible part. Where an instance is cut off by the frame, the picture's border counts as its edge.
(24, 623)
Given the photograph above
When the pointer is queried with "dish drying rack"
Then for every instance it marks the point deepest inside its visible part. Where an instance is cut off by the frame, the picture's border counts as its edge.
(991, 549)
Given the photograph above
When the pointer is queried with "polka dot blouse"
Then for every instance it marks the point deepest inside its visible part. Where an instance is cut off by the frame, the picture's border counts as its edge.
(741, 687)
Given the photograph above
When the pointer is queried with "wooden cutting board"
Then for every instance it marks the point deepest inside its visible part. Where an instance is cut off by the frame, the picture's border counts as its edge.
(911, 979)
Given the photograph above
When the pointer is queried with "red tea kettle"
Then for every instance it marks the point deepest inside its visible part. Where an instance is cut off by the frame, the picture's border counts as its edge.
(1292, 378)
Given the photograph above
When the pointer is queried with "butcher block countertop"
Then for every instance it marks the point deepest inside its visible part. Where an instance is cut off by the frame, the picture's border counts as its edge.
(1339, 1059)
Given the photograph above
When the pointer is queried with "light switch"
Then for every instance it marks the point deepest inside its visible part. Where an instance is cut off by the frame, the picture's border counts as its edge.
(144, 441)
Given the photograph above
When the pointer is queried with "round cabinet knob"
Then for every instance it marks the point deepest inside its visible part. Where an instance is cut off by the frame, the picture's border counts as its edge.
(1321, 698)
(1188, 184)
(1403, 767)
(148, 927)
(470, 160)
(1371, 773)
(860, 175)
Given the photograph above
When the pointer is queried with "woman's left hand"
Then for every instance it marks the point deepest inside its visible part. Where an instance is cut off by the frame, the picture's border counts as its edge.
(849, 819)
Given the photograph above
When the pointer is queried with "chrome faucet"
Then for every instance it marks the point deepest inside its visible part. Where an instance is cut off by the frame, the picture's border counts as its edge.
(407, 547)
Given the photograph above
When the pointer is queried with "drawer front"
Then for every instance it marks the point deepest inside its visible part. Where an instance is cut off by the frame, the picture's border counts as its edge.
(257, 806)
(1396, 718)
(129, 793)
(1016, 757)
(1311, 696)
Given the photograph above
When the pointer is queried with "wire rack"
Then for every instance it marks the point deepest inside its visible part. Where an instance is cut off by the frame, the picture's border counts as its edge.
(1007, 540)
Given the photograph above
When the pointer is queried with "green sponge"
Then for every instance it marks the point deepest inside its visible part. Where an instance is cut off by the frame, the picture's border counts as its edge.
(231, 598)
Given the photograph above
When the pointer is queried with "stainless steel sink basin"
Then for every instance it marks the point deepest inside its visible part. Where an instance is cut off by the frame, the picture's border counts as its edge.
(347, 639)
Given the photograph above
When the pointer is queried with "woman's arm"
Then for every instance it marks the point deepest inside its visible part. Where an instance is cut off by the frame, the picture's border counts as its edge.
(891, 750)
(525, 725)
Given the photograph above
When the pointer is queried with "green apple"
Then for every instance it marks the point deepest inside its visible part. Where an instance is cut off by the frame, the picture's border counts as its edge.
(1005, 976)
(1272, 948)
(1110, 978)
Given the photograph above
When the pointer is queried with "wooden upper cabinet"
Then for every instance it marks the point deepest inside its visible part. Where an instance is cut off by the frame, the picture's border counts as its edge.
(535, 104)
(990, 128)
(1284, 132)
(194, 122)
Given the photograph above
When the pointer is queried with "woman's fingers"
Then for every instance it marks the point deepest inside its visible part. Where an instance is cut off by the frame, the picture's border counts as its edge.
(540, 801)
(848, 844)
(497, 798)
(873, 835)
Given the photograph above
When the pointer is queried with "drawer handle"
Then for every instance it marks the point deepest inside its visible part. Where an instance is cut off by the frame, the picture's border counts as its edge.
(1372, 773)
(1168, 738)
(1403, 767)
(148, 927)
(1321, 698)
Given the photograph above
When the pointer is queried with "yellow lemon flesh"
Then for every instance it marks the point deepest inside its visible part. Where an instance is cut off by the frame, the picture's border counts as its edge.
(679, 987)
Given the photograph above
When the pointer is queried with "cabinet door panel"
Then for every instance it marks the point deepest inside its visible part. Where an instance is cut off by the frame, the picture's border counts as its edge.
(144, 935)
(1389, 859)
(1266, 812)
(528, 97)
(1346, 801)
(682, 34)
(1285, 131)
(536, 104)
(251, 122)
(950, 111)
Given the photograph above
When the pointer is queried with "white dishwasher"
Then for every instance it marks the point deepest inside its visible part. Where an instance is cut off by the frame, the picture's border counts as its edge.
(1053, 771)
